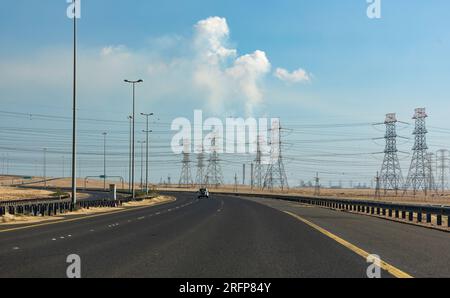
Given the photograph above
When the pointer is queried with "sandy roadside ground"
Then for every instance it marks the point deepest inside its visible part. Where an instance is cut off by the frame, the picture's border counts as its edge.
(15, 220)
(354, 194)
(13, 193)
(362, 194)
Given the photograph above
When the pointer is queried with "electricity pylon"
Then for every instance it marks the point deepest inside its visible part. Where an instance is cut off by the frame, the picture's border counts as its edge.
(214, 171)
(259, 167)
(276, 175)
(442, 158)
(431, 166)
(186, 177)
(419, 173)
(200, 179)
(391, 173)
(317, 185)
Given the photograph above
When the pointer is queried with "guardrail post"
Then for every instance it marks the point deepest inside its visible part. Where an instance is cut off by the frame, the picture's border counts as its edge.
(396, 213)
(403, 214)
(439, 220)
(419, 216)
(411, 216)
(428, 217)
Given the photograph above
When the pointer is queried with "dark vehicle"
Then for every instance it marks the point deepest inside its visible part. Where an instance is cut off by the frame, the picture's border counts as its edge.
(203, 193)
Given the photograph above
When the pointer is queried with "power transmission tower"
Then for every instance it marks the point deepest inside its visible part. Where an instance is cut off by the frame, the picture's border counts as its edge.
(186, 177)
(442, 158)
(419, 173)
(391, 173)
(317, 186)
(431, 166)
(276, 174)
(200, 179)
(214, 171)
(259, 168)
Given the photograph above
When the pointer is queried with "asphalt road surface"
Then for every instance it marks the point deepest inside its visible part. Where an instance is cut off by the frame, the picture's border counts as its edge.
(221, 237)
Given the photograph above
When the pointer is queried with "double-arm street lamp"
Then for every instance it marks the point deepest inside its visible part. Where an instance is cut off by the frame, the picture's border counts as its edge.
(133, 190)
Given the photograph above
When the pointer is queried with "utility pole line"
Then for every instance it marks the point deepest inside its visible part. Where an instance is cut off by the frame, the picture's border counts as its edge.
(142, 163)
(129, 154)
(45, 167)
(147, 131)
(104, 160)
(252, 182)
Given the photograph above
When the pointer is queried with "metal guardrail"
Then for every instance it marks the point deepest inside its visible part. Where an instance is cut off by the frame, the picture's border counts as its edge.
(60, 205)
(408, 212)
(54, 207)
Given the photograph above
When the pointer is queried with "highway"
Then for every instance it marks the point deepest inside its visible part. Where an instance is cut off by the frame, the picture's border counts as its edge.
(226, 237)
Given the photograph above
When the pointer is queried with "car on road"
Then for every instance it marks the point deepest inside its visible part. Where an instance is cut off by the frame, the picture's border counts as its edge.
(203, 193)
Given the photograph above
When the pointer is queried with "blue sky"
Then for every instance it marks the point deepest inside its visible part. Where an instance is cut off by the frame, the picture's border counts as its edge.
(354, 60)
(359, 69)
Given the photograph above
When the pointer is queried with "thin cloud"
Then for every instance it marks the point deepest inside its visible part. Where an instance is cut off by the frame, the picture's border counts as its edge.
(298, 76)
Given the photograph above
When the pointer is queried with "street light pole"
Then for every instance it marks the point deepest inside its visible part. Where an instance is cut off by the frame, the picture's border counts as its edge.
(147, 131)
(133, 190)
(74, 125)
(142, 163)
(129, 156)
(104, 160)
(45, 167)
